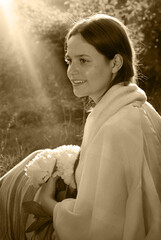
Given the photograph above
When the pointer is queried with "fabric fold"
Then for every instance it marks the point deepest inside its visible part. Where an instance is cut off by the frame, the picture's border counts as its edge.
(118, 174)
(14, 190)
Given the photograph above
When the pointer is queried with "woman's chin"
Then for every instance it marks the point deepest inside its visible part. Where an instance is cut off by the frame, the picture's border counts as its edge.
(79, 94)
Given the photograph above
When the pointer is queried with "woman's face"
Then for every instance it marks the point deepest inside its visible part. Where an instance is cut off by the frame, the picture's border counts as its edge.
(89, 71)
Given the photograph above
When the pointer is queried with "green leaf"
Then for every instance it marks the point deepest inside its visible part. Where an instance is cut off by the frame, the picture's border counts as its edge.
(34, 208)
(38, 225)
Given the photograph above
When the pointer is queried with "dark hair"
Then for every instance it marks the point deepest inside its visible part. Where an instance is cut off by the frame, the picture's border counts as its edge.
(109, 36)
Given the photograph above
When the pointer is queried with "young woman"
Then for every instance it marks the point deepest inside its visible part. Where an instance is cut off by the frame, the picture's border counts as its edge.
(119, 171)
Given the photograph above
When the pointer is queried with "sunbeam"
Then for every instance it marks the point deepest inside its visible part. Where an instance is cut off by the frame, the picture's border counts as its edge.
(22, 45)
(6, 8)
(5, 3)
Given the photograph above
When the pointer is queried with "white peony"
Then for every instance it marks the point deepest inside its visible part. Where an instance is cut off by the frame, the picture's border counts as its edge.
(66, 156)
(53, 162)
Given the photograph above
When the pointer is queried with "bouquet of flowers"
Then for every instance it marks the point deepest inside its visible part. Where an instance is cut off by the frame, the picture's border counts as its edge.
(57, 162)
(51, 163)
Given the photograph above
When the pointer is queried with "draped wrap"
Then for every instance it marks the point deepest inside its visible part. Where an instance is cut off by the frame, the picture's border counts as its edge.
(119, 173)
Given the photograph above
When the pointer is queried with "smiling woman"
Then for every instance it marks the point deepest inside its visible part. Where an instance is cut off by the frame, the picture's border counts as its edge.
(118, 173)
(89, 72)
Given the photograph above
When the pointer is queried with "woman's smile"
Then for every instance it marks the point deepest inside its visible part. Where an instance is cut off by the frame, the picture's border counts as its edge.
(77, 82)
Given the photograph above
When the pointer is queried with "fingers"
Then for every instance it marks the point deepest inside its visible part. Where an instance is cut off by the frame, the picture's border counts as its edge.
(52, 180)
(55, 178)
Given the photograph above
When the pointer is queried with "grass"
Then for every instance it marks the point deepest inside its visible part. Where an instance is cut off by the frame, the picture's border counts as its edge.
(7, 162)
(16, 144)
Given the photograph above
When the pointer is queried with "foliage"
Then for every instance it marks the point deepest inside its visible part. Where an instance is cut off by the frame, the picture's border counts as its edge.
(8, 161)
(43, 20)
(42, 227)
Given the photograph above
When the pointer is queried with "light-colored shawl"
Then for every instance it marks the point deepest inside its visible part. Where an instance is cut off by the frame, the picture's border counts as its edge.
(119, 173)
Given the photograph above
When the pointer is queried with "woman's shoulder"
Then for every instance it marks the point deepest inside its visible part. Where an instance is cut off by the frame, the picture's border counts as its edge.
(124, 126)
(126, 118)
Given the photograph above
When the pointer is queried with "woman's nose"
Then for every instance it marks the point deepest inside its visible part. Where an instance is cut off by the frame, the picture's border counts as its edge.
(73, 69)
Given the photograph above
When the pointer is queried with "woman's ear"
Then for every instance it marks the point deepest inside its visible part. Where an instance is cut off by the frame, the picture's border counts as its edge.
(117, 63)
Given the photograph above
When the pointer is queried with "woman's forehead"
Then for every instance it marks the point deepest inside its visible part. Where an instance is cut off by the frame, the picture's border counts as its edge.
(77, 45)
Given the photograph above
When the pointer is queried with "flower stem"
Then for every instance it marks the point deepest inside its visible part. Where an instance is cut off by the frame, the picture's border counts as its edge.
(66, 190)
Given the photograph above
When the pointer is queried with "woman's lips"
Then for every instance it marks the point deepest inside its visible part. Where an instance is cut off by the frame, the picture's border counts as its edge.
(78, 81)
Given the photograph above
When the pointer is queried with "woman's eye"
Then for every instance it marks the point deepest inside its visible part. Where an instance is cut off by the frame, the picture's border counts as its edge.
(69, 61)
(82, 60)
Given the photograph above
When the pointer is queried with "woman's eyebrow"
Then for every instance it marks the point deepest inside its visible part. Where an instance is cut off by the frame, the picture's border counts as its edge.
(82, 55)
(79, 55)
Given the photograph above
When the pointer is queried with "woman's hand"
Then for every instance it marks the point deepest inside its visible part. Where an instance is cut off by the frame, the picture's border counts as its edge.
(47, 195)
(49, 188)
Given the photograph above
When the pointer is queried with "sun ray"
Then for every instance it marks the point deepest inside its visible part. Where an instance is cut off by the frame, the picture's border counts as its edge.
(19, 40)
(5, 3)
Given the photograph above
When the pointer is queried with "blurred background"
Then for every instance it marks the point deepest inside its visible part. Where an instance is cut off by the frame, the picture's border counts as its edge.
(37, 107)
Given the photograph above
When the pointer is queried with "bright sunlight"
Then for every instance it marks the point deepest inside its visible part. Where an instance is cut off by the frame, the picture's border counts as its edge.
(19, 39)
(5, 4)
